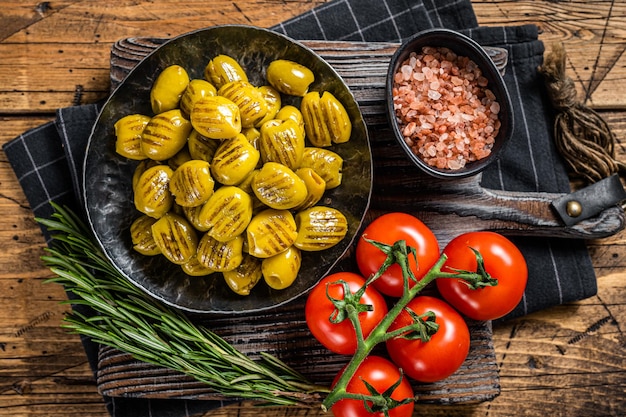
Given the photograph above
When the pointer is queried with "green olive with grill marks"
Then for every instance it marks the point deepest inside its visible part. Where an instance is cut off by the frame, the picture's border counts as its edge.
(278, 187)
(325, 119)
(320, 228)
(165, 135)
(224, 69)
(128, 131)
(234, 159)
(196, 90)
(216, 117)
(242, 279)
(227, 213)
(192, 183)
(249, 99)
(141, 236)
(175, 237)
(282, 141)
(152, 195)
(326, 163)
(220, 256)
(270, 232)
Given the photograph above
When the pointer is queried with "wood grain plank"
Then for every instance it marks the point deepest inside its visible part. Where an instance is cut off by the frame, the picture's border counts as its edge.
(37, 42)
(593, 32)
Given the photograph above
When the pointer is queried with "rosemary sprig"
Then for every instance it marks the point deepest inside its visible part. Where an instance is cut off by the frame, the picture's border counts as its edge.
(127, 319)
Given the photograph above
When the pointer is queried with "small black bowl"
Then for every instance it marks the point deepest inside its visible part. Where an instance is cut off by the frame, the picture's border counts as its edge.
(462, 46)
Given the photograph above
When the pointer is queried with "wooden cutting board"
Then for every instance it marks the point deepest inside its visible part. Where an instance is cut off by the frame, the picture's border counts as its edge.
(460, 205)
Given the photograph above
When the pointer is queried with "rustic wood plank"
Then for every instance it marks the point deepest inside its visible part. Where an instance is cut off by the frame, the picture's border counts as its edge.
(593, 33)
(69, 26)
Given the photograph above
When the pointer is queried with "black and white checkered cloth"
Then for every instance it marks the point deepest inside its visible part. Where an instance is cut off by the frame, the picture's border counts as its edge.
(48, 159)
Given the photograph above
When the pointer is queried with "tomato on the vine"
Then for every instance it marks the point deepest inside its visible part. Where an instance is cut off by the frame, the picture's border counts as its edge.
(388, 229)
(381, 374)
(341, 337)
(439, 357)
(502, 260)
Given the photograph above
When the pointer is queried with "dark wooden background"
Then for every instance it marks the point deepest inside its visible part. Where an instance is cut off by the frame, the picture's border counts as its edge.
(567, 360)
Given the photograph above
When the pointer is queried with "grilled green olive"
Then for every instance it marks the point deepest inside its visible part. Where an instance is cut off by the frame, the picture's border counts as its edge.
(281, 270)
(234, 159)
(282, 142)
(278, 187)
(249, 99)
(196, 90)
(175, 237)
(193, 215)
(128, 132)
(315, 187)
(165, 135)
(141, 236)
(142, 166)
(289, 77)
(325, 119)
(216, 117)
(227, 213)
(270, 232)
(273, 101)
(320, 228)
(326, 163)
(192, 183)
(152, 191)
(223, 69)
(168, 88)
(243, 278)
(201, 147)
(195, 269)
(220, 256)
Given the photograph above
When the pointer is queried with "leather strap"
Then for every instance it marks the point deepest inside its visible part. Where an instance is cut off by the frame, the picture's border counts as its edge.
(590, 201)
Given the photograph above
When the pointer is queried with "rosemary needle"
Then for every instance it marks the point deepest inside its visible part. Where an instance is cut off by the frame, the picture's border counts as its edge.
(127, 319)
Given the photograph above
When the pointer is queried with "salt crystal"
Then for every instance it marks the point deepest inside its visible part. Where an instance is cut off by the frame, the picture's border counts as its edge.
(434, 95)
(454, 164)
(406, 72)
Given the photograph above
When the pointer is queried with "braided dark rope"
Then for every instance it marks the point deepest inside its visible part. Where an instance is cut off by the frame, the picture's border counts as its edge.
(582, 136)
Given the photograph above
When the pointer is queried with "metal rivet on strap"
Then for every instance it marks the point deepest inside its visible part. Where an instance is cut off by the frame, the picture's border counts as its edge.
(574, 208)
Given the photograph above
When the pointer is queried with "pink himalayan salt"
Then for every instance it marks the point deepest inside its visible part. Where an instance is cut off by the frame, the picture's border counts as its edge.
(446, 114)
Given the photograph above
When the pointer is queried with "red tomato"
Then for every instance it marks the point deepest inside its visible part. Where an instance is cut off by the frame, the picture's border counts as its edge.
(388, 229)
(381, 374)
(439, 357)
(341, 337)
(503, 261)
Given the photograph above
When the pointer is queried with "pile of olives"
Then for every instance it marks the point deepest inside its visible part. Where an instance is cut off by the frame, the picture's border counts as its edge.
(230, 180)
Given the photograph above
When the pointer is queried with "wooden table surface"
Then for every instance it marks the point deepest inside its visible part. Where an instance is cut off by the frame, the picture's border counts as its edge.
(567, 360)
